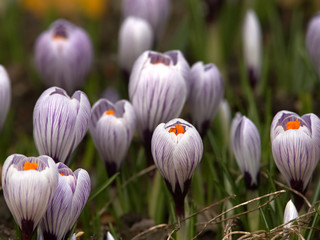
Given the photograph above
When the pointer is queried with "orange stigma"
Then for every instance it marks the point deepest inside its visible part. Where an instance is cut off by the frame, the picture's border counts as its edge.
(30, 166)
(177, 129)
(62, 174)
(293, 125)
(109, 112)
(58, 37)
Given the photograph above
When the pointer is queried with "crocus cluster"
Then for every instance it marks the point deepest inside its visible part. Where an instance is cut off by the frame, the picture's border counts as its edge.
(295, 147)
(63, 55)
(246, 146)
(177, 149)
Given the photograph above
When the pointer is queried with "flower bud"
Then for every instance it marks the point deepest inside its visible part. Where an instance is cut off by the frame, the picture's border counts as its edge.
(177, 149)
(290, 213)
(246, 145)
(252, 42)
(5, 95)
(60, 122)
(29, 183)
(112, 127)
(206, 93)
(135, 37)
(63, 55)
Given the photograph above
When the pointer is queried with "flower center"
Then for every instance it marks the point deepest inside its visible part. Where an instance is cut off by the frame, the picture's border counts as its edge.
(62, 174)
(30, 166)
(177, 129)
(293, 125)
(109, 112)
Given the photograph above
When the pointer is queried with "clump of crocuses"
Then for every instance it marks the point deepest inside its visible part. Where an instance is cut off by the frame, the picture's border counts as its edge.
(67, 203)
(246, 146)
(177, 149)
(295, 147)
(112, 127)
(29, 184)
(63, 55)
(206, 93)
(60, 122)
(157, 90)
(5, 95)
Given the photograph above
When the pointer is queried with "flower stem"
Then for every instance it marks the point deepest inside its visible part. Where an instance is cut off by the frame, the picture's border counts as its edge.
(27, 230)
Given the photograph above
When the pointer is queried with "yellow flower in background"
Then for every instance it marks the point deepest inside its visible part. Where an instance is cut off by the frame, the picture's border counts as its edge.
(89, 8)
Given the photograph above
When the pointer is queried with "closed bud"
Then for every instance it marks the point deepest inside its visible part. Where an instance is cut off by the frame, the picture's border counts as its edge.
(5, 95)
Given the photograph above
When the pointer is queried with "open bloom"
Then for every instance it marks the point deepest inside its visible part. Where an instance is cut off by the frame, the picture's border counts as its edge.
(66, 205)
(206, 93)
(29, 183)
(157, 90)
(177, 150)
(5, 94)
(135, 37)
(290, 213)
(112, 127)
(60, 122)
(154, 11)
(295, 146)
(246, 145)
(252, 45)
(63, 55)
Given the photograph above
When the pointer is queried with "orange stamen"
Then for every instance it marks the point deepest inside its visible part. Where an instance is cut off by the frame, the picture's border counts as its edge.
(177, 129)
(62, 174)
(109, 112)
(157, 63)
(30, 166)
(293, 125)
(59, 37)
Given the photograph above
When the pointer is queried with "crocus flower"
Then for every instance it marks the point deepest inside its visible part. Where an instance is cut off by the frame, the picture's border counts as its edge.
(66, 205)
(295, 147)
(206, 93)
(177, 150)
(157, 90)
(60, 122)
(29, 183)
(5, 94)
(63, 55)
(290, 213)
(135, 37)
(246, 145)
(154, 11)
(112, 127)
(312, 41)
(252, 42)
